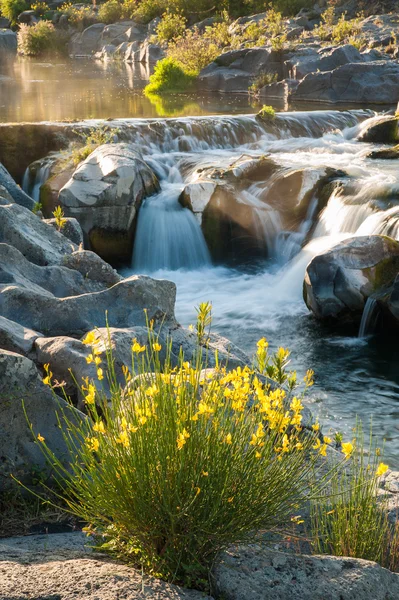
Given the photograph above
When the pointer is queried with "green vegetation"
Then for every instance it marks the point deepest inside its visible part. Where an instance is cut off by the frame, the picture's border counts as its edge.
(41, 38)
(110, 11)
(267, 113)
(169, 76)
(81, 16)
(340, 31)
(350, 518)
(12, 8)
(262, 80)
(58, 215)
(172, 26)
(180, 462)
(96, 136)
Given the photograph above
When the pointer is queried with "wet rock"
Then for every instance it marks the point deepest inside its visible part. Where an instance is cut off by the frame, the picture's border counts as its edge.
(277, 90)
(311, 60)
(37, 241)
(28, 17)
(382, 130)
(123, 305)
(21, 388)
(339, 281)
(8, 45)
(4, 23)
(258, 573)
(236, 70)
(385, 154)
(91, 266)
(365, 83)
(104, 195)
(71, 229)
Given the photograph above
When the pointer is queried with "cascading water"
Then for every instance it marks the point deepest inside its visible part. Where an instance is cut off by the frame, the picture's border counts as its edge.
(266, 298)
(369, 318)
(32, 181)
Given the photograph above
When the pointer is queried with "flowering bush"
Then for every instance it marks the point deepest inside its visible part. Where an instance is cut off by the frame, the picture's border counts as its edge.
(110, 11)
(41, 38)
(182, 461)
(171, 26)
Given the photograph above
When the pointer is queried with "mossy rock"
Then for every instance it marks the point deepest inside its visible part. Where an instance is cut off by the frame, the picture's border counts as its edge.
(385, 131)
(114, 246)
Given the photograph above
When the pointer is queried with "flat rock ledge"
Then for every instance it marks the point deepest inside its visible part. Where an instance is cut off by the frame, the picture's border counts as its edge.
(63, 567)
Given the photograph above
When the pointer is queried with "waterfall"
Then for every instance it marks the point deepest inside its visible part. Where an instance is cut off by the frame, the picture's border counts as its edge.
(168, 236)
(34, 179)
(382, 223)
(342, 215)
(369, 318)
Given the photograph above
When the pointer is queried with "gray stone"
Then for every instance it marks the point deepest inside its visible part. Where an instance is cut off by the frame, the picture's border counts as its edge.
(87, 42)
(104, 195)
(258, 573)
(28, 17)
(91, 266)
(21, 388)
(4, 23)
(381, 130)
(324, 60)
(363, 83)
(277, 90)
(8, 48)
(123, 305)
(339, 281)
(18, 196)
(16, 338)
(37, 241)
(71, 229)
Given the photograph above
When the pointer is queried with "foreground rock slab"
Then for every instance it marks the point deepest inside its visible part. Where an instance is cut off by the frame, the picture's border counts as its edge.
(62, 567)
(256, 573)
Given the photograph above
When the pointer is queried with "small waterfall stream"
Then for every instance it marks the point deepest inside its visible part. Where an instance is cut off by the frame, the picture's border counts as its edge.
(369, 318)
(32, 181)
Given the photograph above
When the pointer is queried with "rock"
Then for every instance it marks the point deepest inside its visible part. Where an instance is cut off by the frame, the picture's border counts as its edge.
(312, 61)
(151, 53)
(74, 572)
(277, 90)
(50, 190)
(37, 241)
(16, 338)
(104, 195)
(21, 388)
(8, 45)
(58, 281)
(388, 301)
(365, 83)
(4, 23)
(71, 229)
(28, 17)
(339, 281)
(87, 42)
(380, 130)
(236, 70)
(123, 305)
(91, 266)
(258, 573)
(385, 154)
(18, 196)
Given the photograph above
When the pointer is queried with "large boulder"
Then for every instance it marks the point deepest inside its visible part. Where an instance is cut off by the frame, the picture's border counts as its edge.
(18, 195)
(87, 42)
(379, 130)
(22, 390)
(236, 70)
(122, 305)
(91, 266)
(259, 573)
(71, 229)
(365, 83)
(104, 195)
(8, 45)
(16, 338)
(339, 281)
(37, 241)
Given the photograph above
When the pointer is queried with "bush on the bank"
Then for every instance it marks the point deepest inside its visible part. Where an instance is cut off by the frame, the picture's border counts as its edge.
(194, 50)
(351, 518)
(262, 80)
(12, 8)
(183, 462)
(41, 38)
(171, 26)
(110, 11)
(169, 76)
(79, 16)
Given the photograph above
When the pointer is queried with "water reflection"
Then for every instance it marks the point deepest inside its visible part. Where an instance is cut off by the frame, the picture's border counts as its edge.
(31, 90)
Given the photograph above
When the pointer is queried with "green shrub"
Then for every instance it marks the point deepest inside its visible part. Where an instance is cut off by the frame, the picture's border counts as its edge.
(110, 11)
(172, 26)
(194, 51)
(267, 113)
(169, 76)
(150, 9)
(40, 8)
(96, 136)
(12, 8)
(183, 462)
(350, 518)
(262, 80)
(79, 16)
(41, 38)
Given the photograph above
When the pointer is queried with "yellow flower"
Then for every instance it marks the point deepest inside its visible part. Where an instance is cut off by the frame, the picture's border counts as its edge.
(190, 327)
(323, 450)
(347, 449)
(308, 379)
(262, 344)
(97, 360)
(99, 427)
(382, 468)
(230, 499)
(142, 420)
(327, 440)
(205, 473)
(297, 520)
(40, 437)
(197, 490)
(47, 380)
(296, 405)
(91, 396)
(89, 359)
(90, 339)
(316, 427)
(157, 347)
(227, 439)
(182, 438)
(257, 454)
(136, 347)
(123, 439)
(100, 374)
(93, 444)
